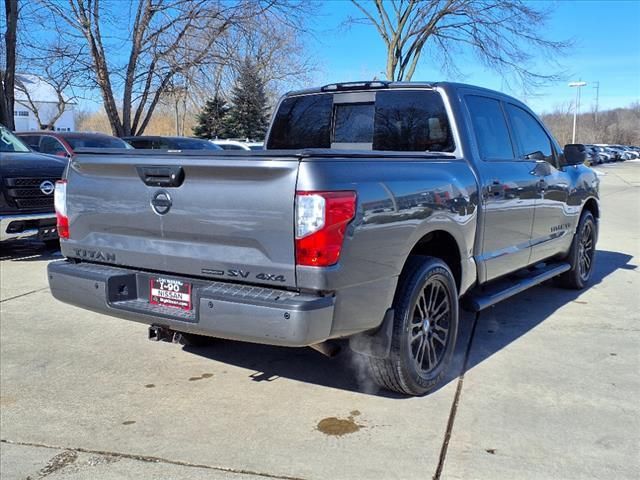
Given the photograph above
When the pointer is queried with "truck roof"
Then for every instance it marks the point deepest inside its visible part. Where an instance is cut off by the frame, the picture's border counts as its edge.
(384, 84)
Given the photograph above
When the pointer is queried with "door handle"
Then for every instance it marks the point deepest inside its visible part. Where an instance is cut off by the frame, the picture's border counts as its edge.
(496, 188)
(542, 184)
(541, 169)
(161, 176)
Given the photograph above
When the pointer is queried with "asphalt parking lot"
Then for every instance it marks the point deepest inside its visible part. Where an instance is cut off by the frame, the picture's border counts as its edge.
(550, 389)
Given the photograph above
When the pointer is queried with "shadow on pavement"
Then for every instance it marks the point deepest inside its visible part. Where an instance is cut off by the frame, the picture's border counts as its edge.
(495, 330)
(27, 251)
(497, 327)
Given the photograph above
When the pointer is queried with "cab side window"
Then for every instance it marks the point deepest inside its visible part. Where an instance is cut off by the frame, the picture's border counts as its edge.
(161, 144)
(141, 144)
(51, 146)
(490, 126)
(532, 140)
(32, 141)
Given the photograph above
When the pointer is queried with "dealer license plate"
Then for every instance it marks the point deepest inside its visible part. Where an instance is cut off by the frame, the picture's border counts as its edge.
(170, 293)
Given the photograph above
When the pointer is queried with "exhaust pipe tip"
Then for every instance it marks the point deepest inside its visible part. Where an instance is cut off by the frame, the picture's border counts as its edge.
(329, 348)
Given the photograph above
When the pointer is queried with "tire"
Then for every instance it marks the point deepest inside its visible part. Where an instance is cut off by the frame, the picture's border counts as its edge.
(426, 285)
(582, 254)
(194, 340)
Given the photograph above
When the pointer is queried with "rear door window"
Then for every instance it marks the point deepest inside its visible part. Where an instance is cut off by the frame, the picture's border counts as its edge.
(490, 127)
(413, 121)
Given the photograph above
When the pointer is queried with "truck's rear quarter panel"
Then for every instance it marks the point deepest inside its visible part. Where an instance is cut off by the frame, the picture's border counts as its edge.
(400, 200)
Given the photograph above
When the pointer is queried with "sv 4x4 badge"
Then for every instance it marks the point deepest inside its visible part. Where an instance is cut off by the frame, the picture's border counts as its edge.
(231, 273)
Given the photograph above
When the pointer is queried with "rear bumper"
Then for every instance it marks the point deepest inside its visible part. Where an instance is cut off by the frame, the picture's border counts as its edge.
(224, 310)
(27, 225)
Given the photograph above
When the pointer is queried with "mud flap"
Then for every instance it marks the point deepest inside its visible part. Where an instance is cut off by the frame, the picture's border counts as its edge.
(376, 343)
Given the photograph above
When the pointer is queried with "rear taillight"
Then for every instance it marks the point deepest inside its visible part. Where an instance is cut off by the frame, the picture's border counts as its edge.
(321, 222)
(60, 203)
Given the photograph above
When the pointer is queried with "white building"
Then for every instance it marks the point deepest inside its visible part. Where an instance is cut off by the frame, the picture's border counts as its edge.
(45, 100)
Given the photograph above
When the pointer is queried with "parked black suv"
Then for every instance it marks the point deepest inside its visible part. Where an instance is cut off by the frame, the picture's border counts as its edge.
(26, 190)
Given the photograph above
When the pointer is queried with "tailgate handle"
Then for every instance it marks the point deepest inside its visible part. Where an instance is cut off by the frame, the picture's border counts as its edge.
(161, 176)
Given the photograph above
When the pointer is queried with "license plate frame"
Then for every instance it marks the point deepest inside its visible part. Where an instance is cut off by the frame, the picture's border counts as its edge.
(170, 292)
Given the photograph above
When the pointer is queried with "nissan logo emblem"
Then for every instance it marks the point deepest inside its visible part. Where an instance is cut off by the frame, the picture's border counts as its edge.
(47, 187)
(161, 202)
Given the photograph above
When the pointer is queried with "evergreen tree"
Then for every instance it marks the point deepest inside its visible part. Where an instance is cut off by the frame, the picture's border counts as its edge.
(248, 116)
(212, 119)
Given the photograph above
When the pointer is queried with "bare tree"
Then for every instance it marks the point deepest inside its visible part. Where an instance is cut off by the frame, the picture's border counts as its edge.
(46, 113)
(274, 39)
(617, 126)
(136, 48)
(8, 64)
(56, 67)
(501, 33)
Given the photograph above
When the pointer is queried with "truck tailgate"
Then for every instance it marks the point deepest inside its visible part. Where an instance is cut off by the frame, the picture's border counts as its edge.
(229, 217)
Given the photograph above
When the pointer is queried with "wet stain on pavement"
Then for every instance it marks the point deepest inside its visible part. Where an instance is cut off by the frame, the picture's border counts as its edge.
(338, 427)
(58, 462)
(6, 400)
(128, 422)
(204, 375)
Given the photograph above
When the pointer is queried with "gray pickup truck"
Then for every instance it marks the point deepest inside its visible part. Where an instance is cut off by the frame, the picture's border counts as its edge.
(375, 210)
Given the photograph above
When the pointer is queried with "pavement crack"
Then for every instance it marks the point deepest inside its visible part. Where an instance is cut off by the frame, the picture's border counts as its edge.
(152, 459)
(455, 403)
(24, 294)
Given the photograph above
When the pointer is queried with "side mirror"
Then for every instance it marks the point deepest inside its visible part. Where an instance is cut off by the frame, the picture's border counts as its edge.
(574, 154)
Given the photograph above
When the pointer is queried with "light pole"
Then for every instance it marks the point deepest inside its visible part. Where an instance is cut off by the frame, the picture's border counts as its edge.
(576, 106)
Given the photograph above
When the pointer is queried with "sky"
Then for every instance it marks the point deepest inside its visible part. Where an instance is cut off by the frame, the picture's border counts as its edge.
(606, 49)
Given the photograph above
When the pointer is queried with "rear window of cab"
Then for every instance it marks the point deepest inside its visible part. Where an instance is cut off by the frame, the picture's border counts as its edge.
(392, 120)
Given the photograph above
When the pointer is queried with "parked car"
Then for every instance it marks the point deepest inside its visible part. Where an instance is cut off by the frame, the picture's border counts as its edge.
(630, 152)
(603, 155)
(359, 220)
(64, 144)
(156, 142)
(592, 155)
(238, 145)
(27, 191)
(255, 145)
(606, 154)
(614, 154)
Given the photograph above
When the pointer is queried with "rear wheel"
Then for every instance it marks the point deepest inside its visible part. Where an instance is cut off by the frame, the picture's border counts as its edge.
(582, 254)
(424, 330)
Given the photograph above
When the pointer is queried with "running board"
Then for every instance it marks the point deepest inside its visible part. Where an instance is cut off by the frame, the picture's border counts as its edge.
(504, 289)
